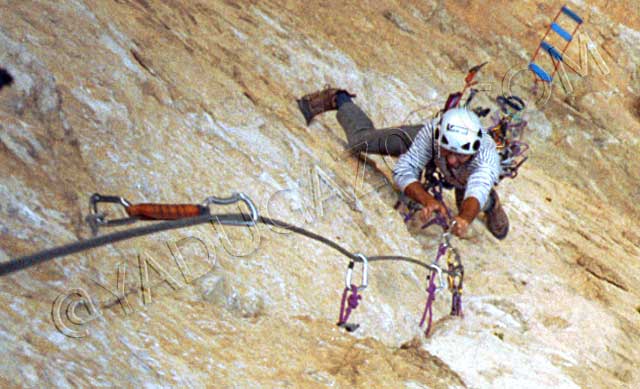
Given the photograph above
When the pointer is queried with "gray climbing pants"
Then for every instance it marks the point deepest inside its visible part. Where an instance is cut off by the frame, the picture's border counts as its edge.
(363, 136)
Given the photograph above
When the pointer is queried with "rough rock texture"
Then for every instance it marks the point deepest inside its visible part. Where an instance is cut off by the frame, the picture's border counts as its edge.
(173, 101)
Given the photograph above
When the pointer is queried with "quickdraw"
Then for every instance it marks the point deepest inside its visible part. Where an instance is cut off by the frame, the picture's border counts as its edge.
(455, 275)
(432, 289)
(154, 211)
(350, 303)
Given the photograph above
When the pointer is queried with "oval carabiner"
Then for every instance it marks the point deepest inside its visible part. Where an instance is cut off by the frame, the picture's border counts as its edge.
(446, 236)
(97, 219)
(234, 198)
(98, 198)
(365, 266)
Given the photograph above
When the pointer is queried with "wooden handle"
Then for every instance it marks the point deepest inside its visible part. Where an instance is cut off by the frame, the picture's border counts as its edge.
(149, 211)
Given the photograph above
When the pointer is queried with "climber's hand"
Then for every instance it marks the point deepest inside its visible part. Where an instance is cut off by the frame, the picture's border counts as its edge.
(430, 206)
(460, 226)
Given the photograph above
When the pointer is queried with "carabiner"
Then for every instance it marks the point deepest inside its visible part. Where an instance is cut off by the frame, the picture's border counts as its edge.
(233, 199)
(438, 271)
(97, 219)
(513, 102)
(446, 236)
(365, 265)
(455, 271)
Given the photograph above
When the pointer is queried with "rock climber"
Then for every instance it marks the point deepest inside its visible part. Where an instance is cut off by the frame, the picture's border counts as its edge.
(455, 144)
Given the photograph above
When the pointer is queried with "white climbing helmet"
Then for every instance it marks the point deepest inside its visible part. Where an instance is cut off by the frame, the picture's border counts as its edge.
(459, 131)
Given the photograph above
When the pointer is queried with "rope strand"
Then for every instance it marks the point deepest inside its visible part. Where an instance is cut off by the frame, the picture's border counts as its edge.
(30, 260)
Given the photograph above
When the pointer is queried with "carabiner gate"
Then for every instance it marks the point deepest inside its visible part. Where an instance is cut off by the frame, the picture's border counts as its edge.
(365, 265)
(233, 199)
(446, 236)
(96, 219)
(438, 272)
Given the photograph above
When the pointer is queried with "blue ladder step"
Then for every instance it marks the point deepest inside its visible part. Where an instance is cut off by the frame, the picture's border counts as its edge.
(544, 76)
(561, 31)
(571, 14)
(553, 52)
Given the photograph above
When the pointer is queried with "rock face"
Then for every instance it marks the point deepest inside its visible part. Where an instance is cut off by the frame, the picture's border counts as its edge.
(170, 101)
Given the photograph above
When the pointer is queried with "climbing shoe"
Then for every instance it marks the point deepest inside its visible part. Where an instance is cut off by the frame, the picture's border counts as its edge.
(318, 102)
(497, 220)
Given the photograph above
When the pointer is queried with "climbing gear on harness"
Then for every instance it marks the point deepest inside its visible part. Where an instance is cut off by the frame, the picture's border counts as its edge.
(507, 130)
(497, 220)
(506, 103)
(455, 275)
(454, 99)
(316, 103)
(479, 111)
(350, 303)
(459, 131)
(471, 74)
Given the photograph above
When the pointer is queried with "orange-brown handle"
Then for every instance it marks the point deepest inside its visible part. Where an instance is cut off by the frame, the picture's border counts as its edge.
(149, 211)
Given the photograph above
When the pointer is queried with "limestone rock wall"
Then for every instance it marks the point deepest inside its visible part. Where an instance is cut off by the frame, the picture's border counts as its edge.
(173, 101)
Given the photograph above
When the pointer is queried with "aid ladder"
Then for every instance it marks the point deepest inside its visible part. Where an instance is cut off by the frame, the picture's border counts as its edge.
(555, 54)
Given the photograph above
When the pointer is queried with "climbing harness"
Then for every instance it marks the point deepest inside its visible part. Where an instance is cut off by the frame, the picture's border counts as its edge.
(350, 303)
(455, 275)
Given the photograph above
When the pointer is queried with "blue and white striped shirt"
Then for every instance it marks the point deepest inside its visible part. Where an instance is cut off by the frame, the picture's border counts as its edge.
(477, 176)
